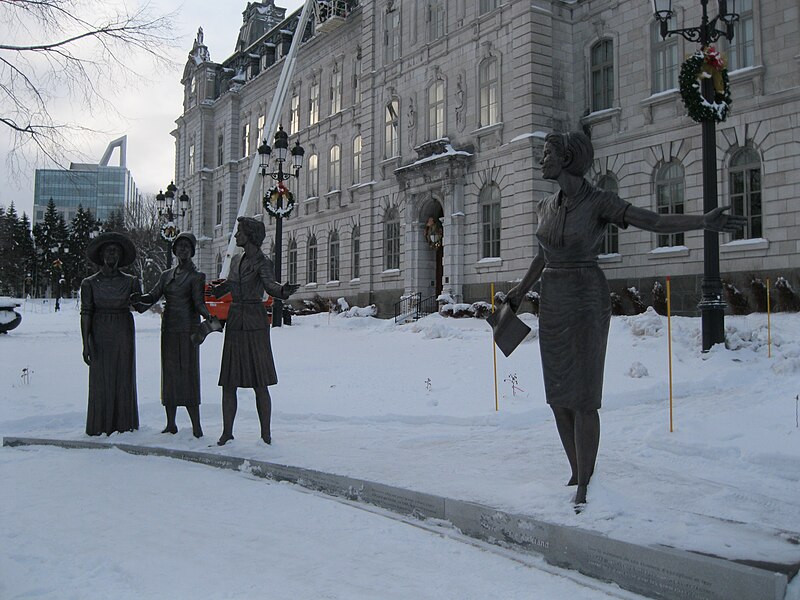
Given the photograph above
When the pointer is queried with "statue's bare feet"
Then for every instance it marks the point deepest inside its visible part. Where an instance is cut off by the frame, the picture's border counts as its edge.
(197, 432)
(580, 495)
(267, 439)
(170, 429)
(224, 439)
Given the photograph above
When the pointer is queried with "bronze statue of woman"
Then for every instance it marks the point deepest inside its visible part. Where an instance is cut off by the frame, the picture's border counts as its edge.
(247, 352)
(575, 305)
(107, 331)
(183, 288)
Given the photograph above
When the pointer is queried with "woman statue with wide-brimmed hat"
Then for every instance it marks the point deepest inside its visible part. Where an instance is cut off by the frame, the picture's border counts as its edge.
(108, 336)
(182, 287)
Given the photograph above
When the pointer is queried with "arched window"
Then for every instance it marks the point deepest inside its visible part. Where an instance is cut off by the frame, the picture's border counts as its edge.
(333, 256)
(313, 176)
(313, 103)
(291, 260)
(611, 239)
(392, 129)
(602, 67)
(489, 201)
(391, 239)
(669, 199)
(357, 159)
(745, 190)
(489, 89)
(436, 110)
(336, 88)
(294, 113)
(335, 168)
(218, 220)
(311, 260)
(355, 249)
(664, 56)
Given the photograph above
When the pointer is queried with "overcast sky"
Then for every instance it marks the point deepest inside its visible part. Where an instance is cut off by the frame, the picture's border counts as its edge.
(146, 111)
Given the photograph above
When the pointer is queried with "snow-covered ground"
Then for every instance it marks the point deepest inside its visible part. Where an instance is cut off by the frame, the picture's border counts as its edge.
(411, 406)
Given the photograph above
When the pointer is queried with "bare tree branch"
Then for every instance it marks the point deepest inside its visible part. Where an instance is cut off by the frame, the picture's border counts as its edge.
(78, 51)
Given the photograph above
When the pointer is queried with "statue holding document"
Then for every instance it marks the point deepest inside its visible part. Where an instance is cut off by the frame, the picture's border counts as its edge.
(575, 304)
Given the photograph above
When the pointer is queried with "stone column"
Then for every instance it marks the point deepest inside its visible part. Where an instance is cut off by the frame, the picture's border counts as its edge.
(454, 218)
(411, 245)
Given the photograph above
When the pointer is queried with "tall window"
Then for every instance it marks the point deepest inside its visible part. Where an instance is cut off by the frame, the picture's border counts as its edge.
(392, 34)
(490, 220)
(218, 220)
(436, 110)
(741, 51)
(611, 238)
(246, 139)
(392, 128)
(311, 260)
(336, 89)
(664, 54)
(488, 5)
(313, 103)
(355, 249)
(260, 130)
(602, 66)
(669, 199)
(357, 159)
(220, 149)
(291, 261)
(313, 176)
(436, 19)
(391, 239)
(333, 256)
(357, 80)
(489, 92)
(294, 114)
(191, 164)
(745, 186)
(335, 168)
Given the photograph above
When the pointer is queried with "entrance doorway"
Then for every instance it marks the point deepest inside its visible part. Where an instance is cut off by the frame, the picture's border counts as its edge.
(432, 256)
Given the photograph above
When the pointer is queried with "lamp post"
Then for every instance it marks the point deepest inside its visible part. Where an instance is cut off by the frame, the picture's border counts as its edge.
(712, 306)
(280, 150)
(166, 204)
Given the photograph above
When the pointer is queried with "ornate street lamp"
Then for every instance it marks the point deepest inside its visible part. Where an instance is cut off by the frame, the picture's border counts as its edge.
(274, 197)
(166, 205)
(712, 305)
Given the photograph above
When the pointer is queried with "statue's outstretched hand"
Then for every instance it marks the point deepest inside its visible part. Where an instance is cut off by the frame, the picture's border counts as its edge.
(288, 289)
(717, 220)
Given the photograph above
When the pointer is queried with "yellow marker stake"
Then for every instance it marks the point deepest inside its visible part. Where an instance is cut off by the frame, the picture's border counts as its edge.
(669, 351)
(769, 328)
(494, 354)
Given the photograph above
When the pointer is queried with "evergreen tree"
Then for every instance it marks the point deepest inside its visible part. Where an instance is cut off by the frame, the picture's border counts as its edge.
(27, 253)
(51, 239)
(80, 232)
(6, 248)
(115, 222)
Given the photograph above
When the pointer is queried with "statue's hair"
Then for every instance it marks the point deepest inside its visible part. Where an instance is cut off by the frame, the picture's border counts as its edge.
(253, 229)
(578, 145)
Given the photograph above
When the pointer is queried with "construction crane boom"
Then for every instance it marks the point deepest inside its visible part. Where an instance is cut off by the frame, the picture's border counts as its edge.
(270, 125)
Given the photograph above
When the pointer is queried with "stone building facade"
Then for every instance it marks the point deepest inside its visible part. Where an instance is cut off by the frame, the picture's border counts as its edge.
(422, 119)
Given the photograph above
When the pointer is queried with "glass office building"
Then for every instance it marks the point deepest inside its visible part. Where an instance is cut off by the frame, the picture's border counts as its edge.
(101, 188)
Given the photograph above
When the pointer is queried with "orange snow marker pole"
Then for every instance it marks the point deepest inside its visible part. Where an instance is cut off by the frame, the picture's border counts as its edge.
(494, 355)
(669, 351)
(769, 328)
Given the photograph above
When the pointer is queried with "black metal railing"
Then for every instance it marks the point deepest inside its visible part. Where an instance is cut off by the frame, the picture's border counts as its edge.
(413, 307)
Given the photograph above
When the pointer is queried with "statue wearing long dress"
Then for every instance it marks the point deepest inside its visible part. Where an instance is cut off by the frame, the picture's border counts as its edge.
(183, 287)
(107, 331)
(575, 304)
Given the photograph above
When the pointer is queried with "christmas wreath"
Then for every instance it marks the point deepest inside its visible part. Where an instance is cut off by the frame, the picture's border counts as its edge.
(270, 201)
(705, 64)
(169, 232)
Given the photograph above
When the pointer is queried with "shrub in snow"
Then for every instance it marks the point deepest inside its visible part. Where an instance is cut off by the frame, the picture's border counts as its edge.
(458, 310)
(445, 298)
(788, 299)
(638, 370)
(616, 304)
(659, 298)
(636, 299)
(759, 291)
(358, 311)
(342, 305)
(481, 310)
(738, 302)
(499, 297)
